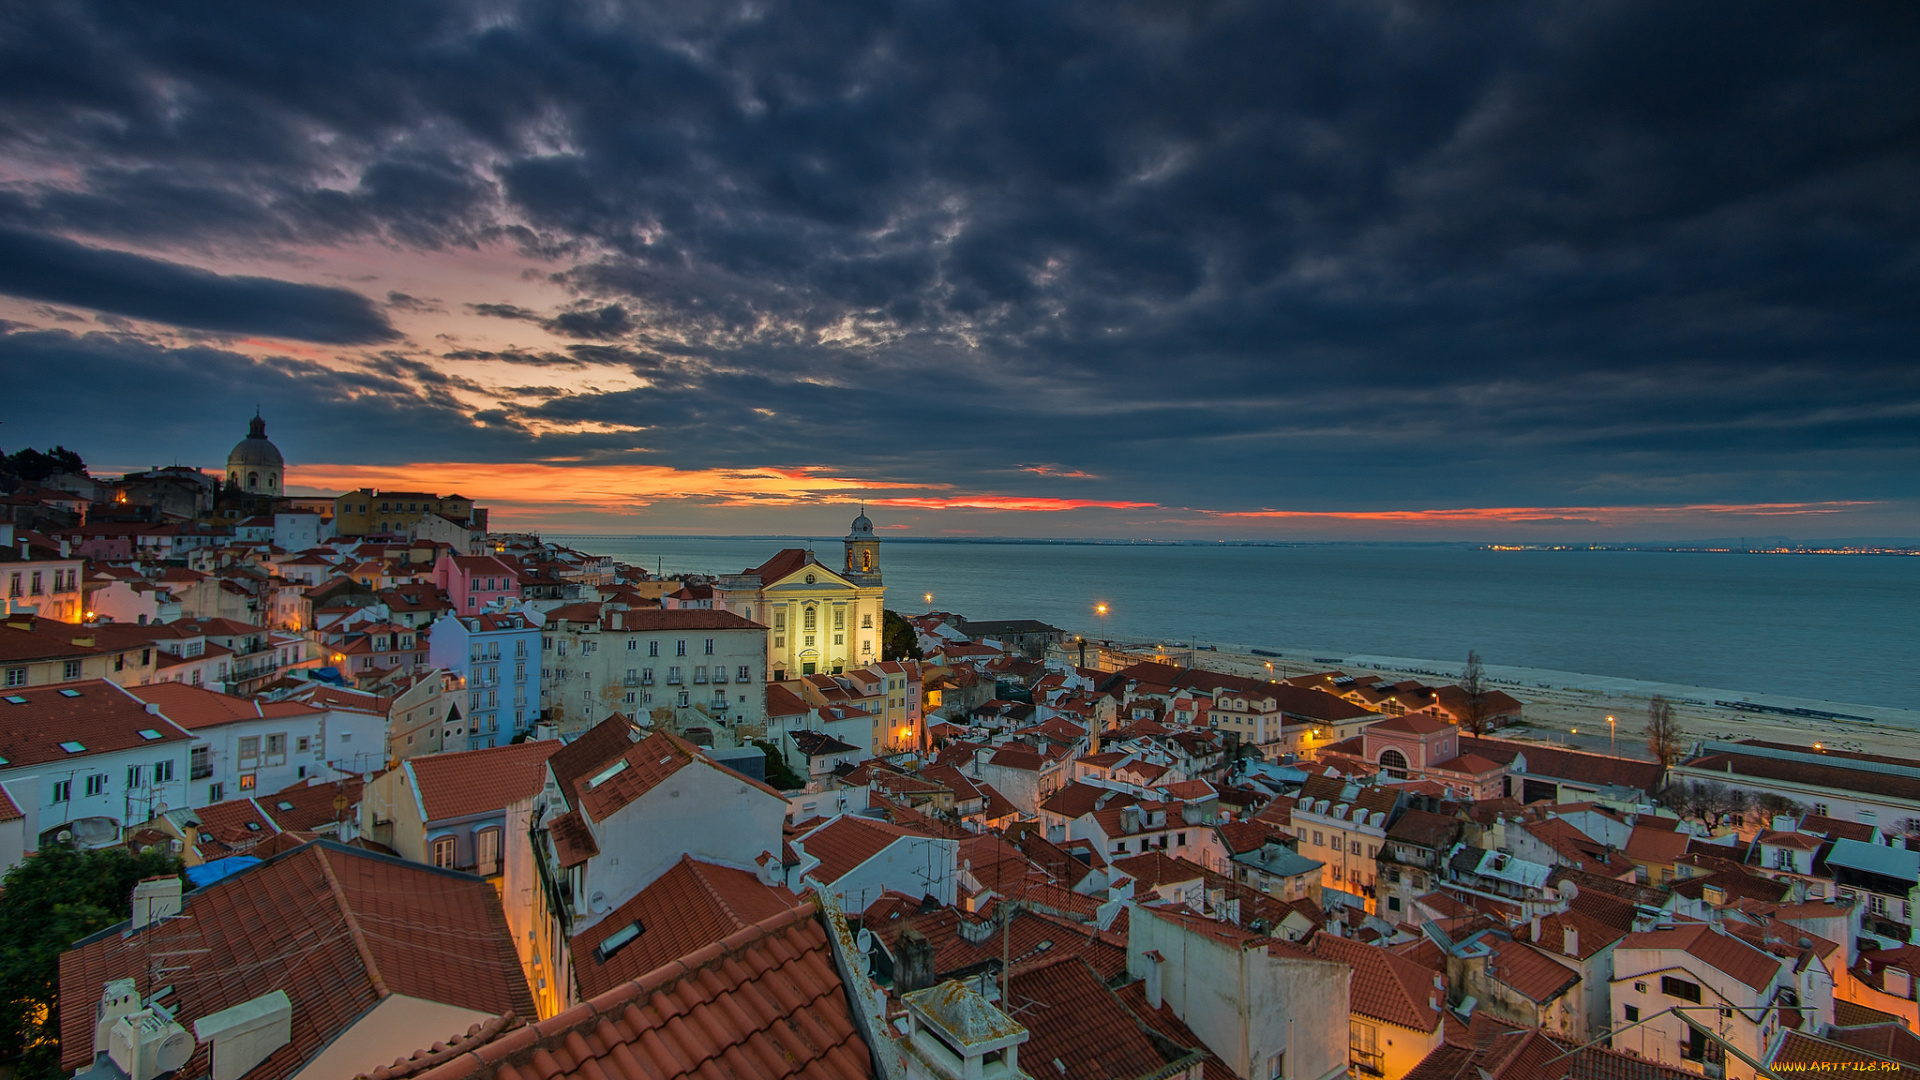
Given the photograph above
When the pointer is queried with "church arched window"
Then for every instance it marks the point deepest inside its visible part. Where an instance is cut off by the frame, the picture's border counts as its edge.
(253, 481)
(1395, 763)
(866, 561)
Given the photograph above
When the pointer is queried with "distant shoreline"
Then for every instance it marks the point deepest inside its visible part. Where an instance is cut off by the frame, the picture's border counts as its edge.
(1808, 547)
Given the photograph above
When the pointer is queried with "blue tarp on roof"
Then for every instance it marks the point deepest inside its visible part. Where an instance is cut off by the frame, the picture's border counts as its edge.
(207, 873)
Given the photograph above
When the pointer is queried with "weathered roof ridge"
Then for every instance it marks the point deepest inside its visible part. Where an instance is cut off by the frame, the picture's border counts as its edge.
(607, 1007)
(354, 931)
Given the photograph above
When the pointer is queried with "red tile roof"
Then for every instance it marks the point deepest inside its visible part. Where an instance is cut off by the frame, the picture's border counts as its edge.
(764, 1002)
(1077, 799)
(573, 841)
(1655, 846)
(784, 562)
(639, 619)
(1386, 987)
(1410, 724)
(1800, 1052)
(1080, 1030)
(691, 905)
(311, 806)
(1171, 1027)
(1887, 1038)
(846, 842)
(234, 827)
(337, 928)
(99, 717)
(784, 702)
(648, 762)
(1724, 952)
(197, 708)
(1529, 971)
(593, 749)
(477, 781)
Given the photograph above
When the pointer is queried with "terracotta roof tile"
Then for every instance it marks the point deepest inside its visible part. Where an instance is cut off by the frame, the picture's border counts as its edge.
(336, 927)
(1171, 1027)
(592, 749)
(99, 717)
(466, 782)
(646, 764)
(311, 806)
(1724, 952)
(1073, 1020)
(691, 905)
(1410, 724)
(846, 842)
(764, 1002)
(1528, 970)
(1077, 799)
(573, 841)
(1834, 1057)
(1386, 987)
(1657, 846)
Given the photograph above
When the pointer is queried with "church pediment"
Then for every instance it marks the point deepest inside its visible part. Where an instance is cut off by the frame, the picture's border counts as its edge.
(822, 579)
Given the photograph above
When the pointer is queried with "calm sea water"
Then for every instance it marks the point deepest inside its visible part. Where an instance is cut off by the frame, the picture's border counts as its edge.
(1839, 628)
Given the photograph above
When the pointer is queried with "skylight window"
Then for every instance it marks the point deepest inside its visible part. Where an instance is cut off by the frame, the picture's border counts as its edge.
(16, 699)
(149, 734)
(618, 940)
(607, 774)
(284, 804)
(73, 747)
(69, 693)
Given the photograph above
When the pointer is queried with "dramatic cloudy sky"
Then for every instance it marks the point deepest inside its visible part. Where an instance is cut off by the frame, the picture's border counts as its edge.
(1311, 269)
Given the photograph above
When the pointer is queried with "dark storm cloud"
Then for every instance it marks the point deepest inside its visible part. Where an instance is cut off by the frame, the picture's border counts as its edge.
(40, 267)
(320, 413)
(1243, 252)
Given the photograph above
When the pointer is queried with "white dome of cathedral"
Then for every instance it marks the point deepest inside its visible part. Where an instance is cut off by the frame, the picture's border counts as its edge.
(255, 463)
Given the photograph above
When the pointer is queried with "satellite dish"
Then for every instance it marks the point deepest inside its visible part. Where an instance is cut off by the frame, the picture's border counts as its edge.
(597, 903)
(159, 808)
(864, 940)
(65, 836)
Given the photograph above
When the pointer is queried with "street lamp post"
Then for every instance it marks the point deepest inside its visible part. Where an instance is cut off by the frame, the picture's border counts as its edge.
(1613, 740)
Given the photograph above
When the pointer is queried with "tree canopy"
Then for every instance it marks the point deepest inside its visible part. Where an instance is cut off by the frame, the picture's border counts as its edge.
(30, 466)
(897, 638)
(52, 899)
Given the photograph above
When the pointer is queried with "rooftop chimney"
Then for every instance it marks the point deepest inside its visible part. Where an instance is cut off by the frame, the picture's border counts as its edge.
(1897, 981)
(117, 999)
(1570, 941)
(1154, 960)
(155, 899)
(914, 969)
(244, 1035)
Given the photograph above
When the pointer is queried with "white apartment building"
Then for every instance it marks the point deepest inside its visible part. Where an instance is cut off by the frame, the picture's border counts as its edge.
(84, 760)
(704, 668)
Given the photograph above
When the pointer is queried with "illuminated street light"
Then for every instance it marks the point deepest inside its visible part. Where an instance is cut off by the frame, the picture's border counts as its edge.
(1613, 741)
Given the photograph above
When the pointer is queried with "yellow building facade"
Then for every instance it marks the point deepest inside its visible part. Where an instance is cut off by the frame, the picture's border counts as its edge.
(820, 619)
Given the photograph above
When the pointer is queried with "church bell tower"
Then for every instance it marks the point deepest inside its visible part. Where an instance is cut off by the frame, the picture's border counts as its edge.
(863, 553)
